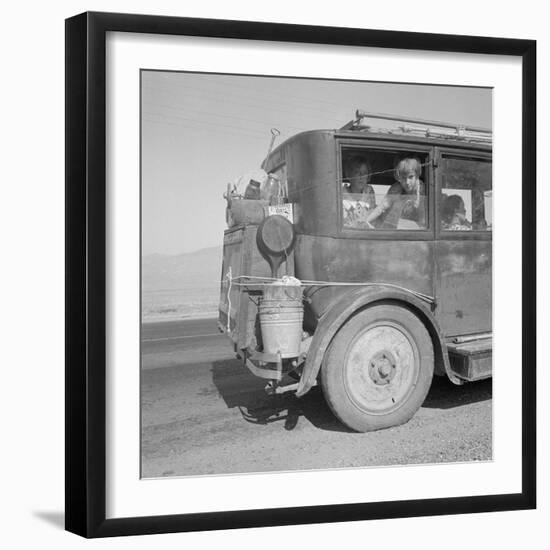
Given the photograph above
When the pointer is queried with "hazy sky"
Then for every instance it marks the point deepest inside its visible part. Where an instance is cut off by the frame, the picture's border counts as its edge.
(201, 131)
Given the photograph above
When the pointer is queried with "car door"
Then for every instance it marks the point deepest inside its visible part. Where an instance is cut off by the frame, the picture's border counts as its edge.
(463, 250)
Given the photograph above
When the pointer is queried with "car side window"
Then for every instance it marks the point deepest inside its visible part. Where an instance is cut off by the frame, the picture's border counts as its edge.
(466, 201)
(384, 189)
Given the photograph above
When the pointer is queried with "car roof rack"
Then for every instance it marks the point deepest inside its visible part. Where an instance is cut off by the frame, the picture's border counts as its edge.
(418, 127)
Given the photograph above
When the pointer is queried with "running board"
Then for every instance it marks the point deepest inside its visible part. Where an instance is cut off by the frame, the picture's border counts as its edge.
(471, 360)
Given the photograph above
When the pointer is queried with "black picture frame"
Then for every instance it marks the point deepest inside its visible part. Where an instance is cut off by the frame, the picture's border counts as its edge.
(86, 273)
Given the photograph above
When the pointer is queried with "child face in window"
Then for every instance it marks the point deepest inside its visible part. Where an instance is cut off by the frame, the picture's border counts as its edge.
(409, 181)
(460, 213)
(359, 179)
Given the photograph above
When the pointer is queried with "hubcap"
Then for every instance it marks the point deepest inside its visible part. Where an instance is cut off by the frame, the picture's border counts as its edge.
(382, 366)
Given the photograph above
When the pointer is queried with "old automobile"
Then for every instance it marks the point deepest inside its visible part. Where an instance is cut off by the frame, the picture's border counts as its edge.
(338, 272)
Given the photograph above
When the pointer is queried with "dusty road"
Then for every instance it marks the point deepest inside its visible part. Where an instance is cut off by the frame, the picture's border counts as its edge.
(203, 413)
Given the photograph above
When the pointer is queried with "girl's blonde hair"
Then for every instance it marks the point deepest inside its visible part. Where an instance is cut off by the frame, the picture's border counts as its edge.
(406, 165)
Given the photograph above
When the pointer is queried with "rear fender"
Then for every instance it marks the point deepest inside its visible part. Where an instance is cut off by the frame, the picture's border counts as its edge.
(352, 302)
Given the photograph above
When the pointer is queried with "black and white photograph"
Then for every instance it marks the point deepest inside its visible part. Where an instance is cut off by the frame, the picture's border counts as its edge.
(258, 290)
(316, 274)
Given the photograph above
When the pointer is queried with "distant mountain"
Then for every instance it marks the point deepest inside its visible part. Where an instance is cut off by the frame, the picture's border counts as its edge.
(200, 269)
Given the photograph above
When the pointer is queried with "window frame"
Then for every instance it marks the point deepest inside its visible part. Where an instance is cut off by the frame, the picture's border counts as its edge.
(370, 144)
(467, 154)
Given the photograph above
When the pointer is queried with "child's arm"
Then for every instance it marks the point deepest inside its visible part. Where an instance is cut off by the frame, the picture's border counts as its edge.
(378, 211)
(419, 187)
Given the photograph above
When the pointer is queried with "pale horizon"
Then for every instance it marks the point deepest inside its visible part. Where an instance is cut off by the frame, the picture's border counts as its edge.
(147, 254)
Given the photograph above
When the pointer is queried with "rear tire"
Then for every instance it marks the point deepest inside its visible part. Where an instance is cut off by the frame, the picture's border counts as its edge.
(378, 368)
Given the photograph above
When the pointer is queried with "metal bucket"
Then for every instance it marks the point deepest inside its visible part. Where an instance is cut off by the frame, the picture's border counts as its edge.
(281, 323)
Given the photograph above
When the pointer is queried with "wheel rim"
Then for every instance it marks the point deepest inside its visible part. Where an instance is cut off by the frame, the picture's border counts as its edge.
(381, 367)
